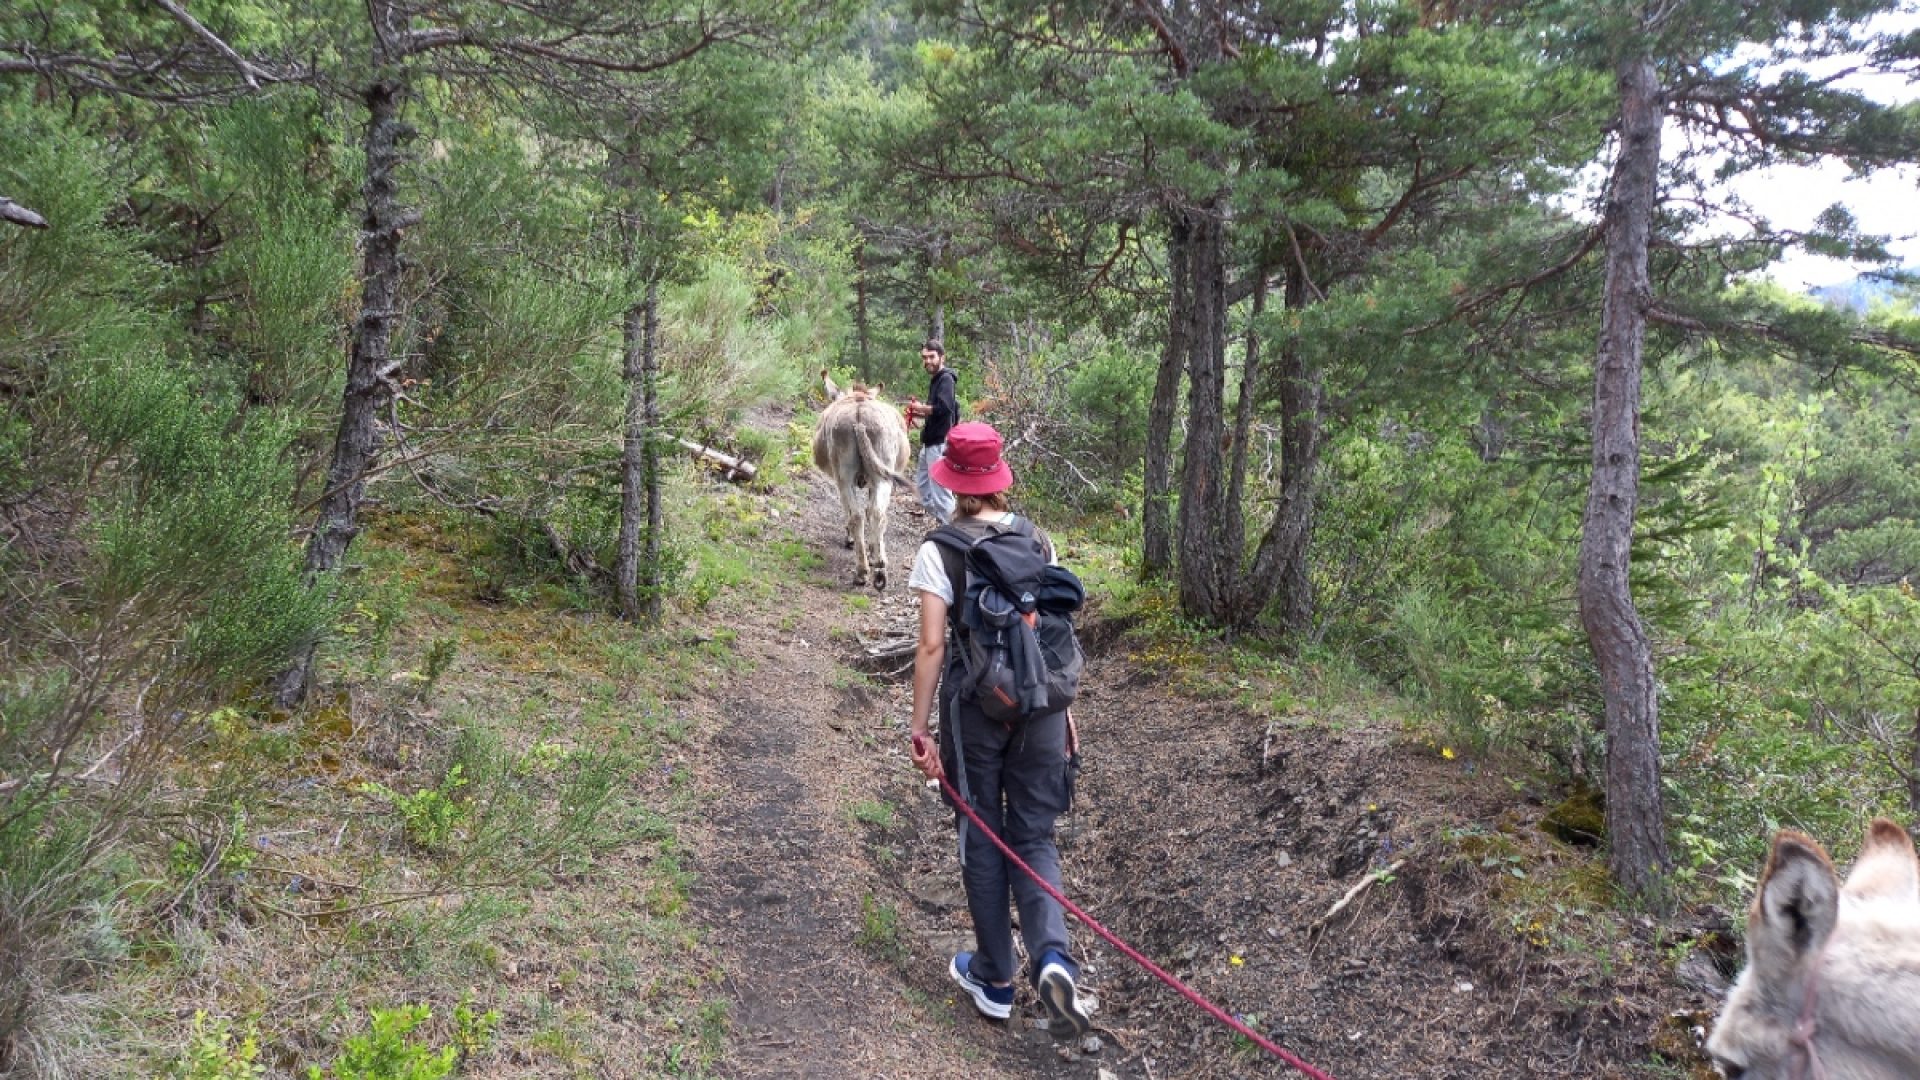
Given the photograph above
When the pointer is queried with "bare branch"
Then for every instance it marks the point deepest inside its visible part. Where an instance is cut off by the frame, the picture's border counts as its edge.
(1179, 55)
(555, 50)
(1418, 186)
(157, 77)
(1300, 262)
(247, 70)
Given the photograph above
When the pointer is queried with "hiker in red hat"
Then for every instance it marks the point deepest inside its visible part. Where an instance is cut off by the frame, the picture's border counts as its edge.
(1018, 777)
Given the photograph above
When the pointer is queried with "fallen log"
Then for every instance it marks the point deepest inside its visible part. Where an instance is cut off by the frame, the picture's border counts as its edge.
(891, 655)
(733, 468)
(20, 215)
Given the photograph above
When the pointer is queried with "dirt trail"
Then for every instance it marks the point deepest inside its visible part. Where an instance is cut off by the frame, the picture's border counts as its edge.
(1212, 840)
(791, 878)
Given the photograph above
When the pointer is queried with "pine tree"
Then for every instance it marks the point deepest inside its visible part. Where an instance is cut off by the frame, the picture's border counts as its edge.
(1674, 64)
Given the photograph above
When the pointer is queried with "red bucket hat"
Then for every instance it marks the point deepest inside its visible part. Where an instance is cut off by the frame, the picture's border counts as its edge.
(971, 464)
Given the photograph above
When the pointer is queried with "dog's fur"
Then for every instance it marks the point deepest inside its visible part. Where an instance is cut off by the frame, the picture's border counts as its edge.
(1856, 946)
(861, 442)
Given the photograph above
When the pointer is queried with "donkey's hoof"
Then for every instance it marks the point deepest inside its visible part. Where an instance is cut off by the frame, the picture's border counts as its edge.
(880, 580)
(849, 544)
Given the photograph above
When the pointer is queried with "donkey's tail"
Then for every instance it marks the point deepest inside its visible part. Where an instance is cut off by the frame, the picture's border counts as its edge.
(870, 456)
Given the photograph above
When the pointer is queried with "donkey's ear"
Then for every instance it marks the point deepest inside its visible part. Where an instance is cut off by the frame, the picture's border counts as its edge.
(1886, 867)
(833, 392)
(879, 388)
(1795, 910)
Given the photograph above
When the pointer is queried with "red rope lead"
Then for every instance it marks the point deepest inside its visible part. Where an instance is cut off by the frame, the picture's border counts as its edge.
(1133, 954)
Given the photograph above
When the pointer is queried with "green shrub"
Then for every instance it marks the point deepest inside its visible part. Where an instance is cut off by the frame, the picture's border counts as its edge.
(285, 263)
(389, 1050)
(716, 358)
(431, 815)
(473, 1032)
(439, 659)
(880, 930)
(212, 1053)
(166, 585)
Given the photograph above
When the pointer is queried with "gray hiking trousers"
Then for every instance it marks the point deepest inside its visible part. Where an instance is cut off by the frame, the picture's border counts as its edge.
(937, 500)
(1020, 784)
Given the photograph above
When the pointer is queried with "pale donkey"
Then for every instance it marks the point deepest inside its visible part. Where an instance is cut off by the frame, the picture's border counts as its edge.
(861, 443)
(1831, 990)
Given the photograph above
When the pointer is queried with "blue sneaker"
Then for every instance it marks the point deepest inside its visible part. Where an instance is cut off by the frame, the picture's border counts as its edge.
(992, 1001)
(1066, 1017)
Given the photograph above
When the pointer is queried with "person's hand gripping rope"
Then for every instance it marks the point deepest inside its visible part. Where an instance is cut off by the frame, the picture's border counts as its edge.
(926, 758)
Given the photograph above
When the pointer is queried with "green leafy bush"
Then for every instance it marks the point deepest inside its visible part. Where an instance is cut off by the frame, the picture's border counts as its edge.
(431, 815)
(213, 1054)
(389, 1050)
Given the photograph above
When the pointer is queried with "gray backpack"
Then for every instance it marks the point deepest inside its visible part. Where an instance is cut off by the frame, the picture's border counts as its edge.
(1013, 621)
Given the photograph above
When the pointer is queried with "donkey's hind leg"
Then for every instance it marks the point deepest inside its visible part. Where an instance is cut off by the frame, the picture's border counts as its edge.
(857, 515)
(877, 502)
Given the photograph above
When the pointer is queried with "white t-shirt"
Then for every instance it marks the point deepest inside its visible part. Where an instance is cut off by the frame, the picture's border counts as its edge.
(929, 574)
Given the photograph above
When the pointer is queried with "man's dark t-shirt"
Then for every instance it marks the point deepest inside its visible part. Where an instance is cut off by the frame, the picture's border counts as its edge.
(945, 405)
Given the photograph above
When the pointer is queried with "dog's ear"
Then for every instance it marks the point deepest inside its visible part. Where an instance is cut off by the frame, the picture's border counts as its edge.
(1886, 866)
(1795, 909)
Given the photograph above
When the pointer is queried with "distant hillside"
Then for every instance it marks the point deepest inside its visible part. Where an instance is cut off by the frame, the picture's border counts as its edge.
(1865, 290)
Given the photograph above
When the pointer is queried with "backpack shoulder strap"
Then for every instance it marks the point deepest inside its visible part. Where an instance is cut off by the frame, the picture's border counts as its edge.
(951, 537)
(953, 543)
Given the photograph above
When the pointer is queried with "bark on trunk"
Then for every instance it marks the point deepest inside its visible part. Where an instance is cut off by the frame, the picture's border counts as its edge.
(370, 368)
(1207, 566)
(1636, 823)
(860, 306)
(1913, 770)
(936, 300)
(626, 574)
(13, 212)
(651, 599)
(1243, 418)
(1280, 566)
(1156, 509)
(637, 577)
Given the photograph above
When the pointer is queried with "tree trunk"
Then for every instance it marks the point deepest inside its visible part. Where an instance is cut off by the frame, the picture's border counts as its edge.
(1206, 564)
(1280, 566)
(1243, 418)
(860, 306)
(358, 442)
(1913, 770)
(655, 584)
(936, 296)
(1636, 823)
(1156, 509)
(626, 574)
